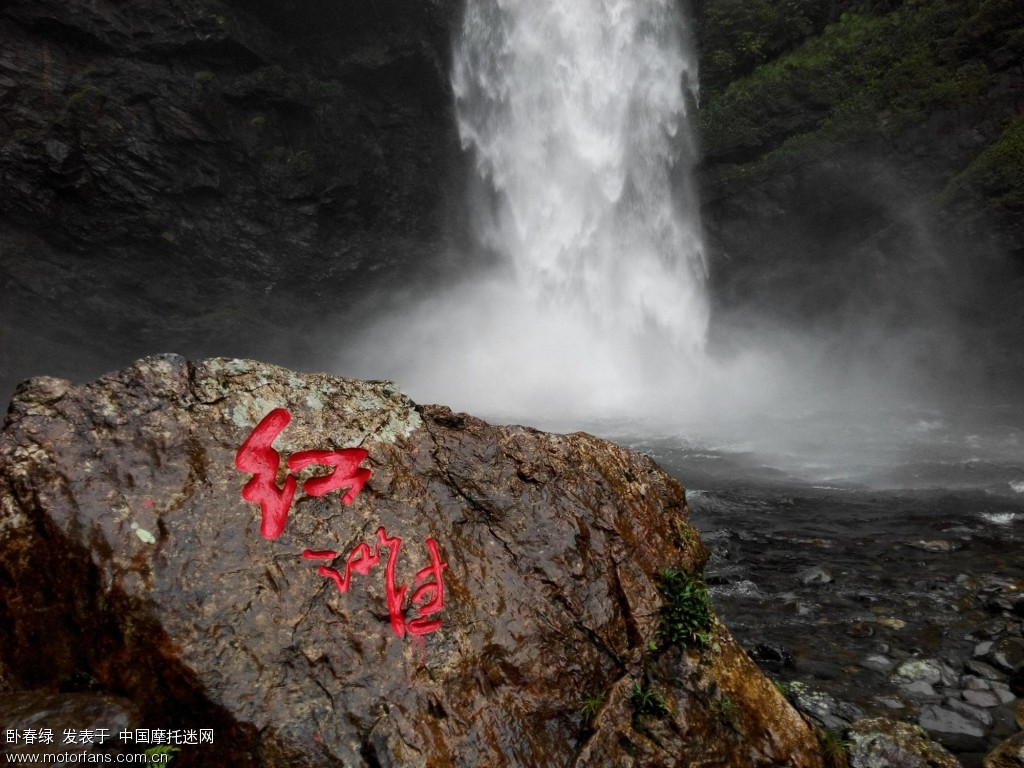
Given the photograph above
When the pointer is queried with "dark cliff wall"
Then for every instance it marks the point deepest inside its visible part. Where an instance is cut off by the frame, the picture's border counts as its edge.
(194, 173)
(864, 169)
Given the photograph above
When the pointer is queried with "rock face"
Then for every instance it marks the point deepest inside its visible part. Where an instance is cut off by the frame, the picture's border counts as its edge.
(528, 631)
(225, 154)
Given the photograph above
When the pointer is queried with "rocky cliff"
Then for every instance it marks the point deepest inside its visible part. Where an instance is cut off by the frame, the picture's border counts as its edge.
(197, 173)
(478, 595)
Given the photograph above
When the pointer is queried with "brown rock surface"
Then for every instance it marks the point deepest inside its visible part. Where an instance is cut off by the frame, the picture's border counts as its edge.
(878, 742)
(1009, 754)
(128, 554)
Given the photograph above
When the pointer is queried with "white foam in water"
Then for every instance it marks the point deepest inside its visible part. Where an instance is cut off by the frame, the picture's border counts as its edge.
(1017, 486)
(999, 518)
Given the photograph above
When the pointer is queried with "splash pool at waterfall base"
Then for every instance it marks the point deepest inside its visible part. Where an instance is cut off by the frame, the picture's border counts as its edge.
(891, 587)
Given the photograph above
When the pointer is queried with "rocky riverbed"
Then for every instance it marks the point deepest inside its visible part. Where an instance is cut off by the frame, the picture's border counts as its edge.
(904, 604)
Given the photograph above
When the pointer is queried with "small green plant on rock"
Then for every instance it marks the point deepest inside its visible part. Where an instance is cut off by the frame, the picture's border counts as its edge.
(724, 708)
(686, 614)
(646, 702)
(835, 749)
(590, 707)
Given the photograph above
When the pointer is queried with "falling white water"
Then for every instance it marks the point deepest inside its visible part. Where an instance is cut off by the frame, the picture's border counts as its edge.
(575, 114)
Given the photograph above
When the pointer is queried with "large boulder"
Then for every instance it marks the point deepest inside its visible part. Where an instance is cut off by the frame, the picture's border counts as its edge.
(505, 597)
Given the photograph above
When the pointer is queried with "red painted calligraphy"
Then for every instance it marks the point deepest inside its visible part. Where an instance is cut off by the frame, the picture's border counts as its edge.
(258, 457)
(428, 598)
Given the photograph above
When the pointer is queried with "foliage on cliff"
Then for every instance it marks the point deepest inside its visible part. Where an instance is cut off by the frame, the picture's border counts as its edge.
(780, 76)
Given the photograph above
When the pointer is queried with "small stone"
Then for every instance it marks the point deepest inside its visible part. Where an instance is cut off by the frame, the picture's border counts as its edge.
(892, 623)
(968, 710)
(981, 669)
(981, 698)
(936, 718)
(937, 546)
(919, 688)
(815, 575)
(923, 670)
(972, 683)
(1002, 690)
(982, 648)
(1006, 654)
(890, 702)
(878, 663)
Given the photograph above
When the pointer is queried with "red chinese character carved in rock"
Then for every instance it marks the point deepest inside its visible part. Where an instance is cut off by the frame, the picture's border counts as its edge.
(258, 457)
(428, 597)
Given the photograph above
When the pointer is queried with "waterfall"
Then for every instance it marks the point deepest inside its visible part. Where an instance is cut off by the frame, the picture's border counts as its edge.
(593, 302)
(576, 113)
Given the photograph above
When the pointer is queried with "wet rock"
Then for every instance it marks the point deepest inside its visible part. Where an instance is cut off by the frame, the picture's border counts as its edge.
(1002, 690)
(920, 670)
(1009, 754)
(1018, 714)
(981, 669)
(123, 521)
(831, 713)
(1006, 653)
(969, 711)
(35, 723)
(983, 698)
(938, 546)
(815, 575)
(878, 663)
(883, 743)
(773, 658)
(936, 719)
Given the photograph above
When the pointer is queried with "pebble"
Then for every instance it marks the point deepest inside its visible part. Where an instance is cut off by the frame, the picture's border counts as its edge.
(918, 688)
(981, 669)
(816, 575)
(981, 698)
(892, 623)
(878, 663)
(920, 670)
(938, 546)
(1006, 654)
(968, 710)
(936, 718)
(890, 702)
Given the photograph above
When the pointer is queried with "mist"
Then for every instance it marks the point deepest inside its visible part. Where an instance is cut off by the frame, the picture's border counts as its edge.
(589, 304)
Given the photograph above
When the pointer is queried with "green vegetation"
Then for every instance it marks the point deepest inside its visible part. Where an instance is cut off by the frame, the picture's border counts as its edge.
(862, 69)
(644, 701)
(835, 749)
(686, 614)
(997, 174)
(590, 707)
(725, 709)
